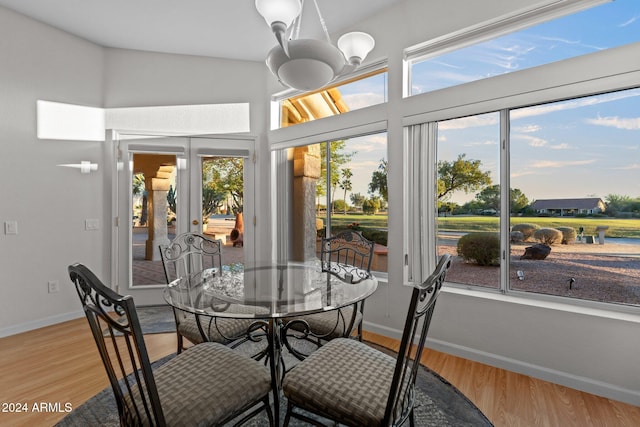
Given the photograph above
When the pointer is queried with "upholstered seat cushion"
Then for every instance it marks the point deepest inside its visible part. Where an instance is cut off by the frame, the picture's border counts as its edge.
(330, 324)
(206, 382)
(345, 379)
(218, 329)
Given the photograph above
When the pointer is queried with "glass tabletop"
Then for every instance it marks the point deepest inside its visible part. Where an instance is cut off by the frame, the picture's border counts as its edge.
(270, 290)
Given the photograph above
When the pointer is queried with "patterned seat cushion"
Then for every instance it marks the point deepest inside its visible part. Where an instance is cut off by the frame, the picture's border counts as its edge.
(206, 383)
(330, 324)
(219, 329)
(344, 379)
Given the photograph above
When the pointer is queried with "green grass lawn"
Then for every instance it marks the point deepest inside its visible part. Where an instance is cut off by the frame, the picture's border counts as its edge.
(629, 228)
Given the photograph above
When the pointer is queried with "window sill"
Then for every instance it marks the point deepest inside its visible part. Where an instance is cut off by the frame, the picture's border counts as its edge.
(630, 314)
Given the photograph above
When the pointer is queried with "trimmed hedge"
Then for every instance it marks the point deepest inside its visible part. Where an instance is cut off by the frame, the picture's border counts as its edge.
(548, 236)
(483, 248)
(527, 230)
(569, 235)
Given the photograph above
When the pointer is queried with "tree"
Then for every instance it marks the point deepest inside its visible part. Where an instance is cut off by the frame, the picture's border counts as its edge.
(337, 158)
(460, 175)
(489, 198)
(371, 206)
(618, 203)
(378, 182)
(346, 185)
(139, 189)
(224, 176)
(357, 199)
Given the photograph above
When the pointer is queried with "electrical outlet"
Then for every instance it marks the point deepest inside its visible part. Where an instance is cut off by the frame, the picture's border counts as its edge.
(53, 286)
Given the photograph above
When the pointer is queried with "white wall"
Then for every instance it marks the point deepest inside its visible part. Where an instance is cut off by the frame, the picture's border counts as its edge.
(49, 203)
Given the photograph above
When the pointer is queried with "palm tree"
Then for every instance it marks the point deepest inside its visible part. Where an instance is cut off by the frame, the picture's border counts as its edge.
(346, 185)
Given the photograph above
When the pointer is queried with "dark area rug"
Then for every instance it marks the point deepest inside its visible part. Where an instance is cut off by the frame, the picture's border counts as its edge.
(438, 403)
(156, 319)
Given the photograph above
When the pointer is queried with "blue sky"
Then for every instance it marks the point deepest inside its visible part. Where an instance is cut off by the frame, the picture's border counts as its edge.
(578, 148)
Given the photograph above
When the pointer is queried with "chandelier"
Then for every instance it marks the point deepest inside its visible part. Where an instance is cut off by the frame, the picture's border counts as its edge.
(309, 64)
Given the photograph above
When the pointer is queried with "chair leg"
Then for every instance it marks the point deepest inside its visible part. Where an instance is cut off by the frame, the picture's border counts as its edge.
(180, 344)
(287, 417)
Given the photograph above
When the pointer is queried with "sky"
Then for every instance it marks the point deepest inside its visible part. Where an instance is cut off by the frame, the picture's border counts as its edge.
(588, 147)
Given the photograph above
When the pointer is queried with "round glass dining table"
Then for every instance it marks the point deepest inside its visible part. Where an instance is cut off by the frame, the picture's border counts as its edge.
(270, 293)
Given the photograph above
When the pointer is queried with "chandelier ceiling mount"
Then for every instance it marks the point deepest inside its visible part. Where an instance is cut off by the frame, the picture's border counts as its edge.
(309, 64)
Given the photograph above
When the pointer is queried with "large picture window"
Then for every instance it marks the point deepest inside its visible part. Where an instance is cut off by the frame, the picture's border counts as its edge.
(573, 208)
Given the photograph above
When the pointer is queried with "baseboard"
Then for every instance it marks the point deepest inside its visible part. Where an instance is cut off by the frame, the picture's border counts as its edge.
(588, 385)
(39, 323)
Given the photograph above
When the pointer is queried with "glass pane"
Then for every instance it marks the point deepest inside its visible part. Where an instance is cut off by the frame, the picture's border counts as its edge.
(606, 26)
(153, 201)
(352, 95)
(355, 197)
(469, 198)
(222, 205)
(577, 162)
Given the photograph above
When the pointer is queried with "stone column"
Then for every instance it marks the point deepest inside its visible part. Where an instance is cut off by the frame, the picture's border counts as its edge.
(158, 230)
(306, 171)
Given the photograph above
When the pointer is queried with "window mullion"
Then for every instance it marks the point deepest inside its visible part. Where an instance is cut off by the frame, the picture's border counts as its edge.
(505, 202)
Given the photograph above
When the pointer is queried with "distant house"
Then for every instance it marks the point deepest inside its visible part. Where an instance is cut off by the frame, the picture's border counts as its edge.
(569, 207)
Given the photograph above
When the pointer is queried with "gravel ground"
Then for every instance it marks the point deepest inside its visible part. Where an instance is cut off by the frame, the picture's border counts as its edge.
(609, 272)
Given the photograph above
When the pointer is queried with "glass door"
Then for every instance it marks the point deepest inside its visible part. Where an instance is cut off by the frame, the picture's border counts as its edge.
(171, 185)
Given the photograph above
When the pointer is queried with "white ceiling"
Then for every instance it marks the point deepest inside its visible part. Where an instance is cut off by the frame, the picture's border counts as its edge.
(216, 28)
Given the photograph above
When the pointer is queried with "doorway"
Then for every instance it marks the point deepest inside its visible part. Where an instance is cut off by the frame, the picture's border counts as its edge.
(170, 185)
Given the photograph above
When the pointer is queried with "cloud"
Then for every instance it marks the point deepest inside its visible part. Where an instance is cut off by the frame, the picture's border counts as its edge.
(616, 122)
(469, 122)
(532, 140)
(562, 146)
(480, 143)
(634, 166)
(570, 105)
(527, 128)
(628, 22)
(543, 164)
(361, 100)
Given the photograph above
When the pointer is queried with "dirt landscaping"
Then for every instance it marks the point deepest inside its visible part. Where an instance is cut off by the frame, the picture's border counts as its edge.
(609, 272)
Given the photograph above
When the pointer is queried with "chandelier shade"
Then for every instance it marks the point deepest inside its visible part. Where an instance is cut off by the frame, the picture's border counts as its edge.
(309, 64)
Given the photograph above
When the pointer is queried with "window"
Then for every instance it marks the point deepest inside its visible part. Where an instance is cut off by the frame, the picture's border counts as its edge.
(468, 197)
(570, 219)
(606, 26)
(334, 186)
(362, 91)
(577, 163)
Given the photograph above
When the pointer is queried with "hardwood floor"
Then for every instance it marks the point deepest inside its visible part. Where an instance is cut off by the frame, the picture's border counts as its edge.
(60, 365)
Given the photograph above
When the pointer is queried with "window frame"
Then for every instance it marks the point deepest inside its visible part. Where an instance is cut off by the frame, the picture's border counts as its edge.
(491, 29)
(417, 252)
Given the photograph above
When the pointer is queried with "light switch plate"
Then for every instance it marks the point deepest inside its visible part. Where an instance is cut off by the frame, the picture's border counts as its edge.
(91, 224)
(11, 227)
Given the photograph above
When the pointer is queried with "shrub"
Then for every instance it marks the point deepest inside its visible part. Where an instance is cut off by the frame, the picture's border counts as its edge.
(526, 229)
(378, 236)
(516, 236)
(569, 234)
(548, 236)
(482, 247)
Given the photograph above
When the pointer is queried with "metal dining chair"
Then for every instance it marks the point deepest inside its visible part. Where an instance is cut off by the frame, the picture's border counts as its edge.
(190, 255)
(344, 254)
(207, 384)
(351, 383)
